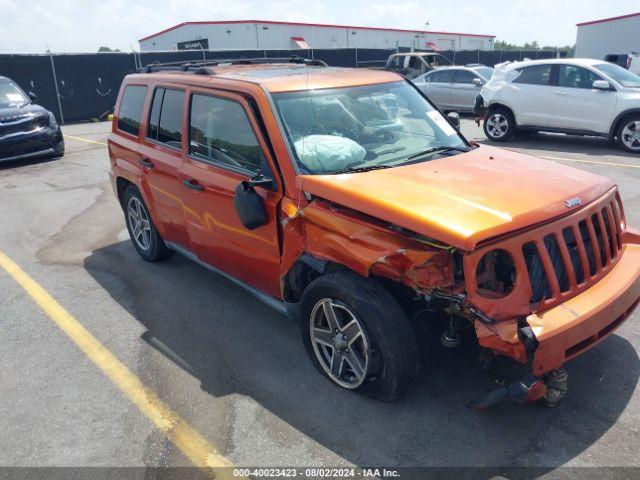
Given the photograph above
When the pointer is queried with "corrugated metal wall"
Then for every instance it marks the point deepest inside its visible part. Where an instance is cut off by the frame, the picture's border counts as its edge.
(613, 37)
(278, 36)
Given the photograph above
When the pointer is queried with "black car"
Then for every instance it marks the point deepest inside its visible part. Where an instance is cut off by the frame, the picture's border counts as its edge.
(26, 130)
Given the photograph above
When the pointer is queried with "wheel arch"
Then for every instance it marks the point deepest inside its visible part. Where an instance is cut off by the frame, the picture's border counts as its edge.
(308, 267)
(502, 105)
(121, 185)
(618, 120)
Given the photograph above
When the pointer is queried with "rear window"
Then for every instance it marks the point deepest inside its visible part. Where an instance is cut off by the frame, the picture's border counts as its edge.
(165, 118)
(534, 75)
(130, 112)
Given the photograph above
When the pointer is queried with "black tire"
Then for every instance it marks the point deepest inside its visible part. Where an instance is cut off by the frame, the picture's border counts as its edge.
(58, 150)
(156, 250)
(626, 141)
(393, 353)
(499, 124)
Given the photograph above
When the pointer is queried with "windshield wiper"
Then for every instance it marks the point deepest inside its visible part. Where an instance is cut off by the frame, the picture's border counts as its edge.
(360, 169)
(435, 150)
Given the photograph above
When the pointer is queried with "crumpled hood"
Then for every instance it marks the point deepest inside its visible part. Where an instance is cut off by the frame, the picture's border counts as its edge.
(466, 199)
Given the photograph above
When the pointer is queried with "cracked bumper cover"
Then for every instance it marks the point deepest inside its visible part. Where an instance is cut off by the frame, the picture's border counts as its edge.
(583, 321)
(577, 324)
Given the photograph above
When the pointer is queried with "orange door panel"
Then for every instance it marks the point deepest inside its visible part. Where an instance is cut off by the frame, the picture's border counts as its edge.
(210, 173)
(160, 163)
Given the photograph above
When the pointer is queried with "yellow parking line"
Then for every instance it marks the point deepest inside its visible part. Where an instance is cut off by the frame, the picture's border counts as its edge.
(191, 443)
(66, 135)
(590, 161)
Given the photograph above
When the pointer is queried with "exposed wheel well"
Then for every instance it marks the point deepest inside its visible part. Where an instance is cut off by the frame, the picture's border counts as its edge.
(307, 268)
(121, 186)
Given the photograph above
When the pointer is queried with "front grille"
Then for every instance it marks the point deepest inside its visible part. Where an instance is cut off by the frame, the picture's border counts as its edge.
(23, 125)
(569, 258)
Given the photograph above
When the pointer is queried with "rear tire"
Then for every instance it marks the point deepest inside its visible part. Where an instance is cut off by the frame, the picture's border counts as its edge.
(499, 124)
(367, 343)
(142, 231)
(628, 134)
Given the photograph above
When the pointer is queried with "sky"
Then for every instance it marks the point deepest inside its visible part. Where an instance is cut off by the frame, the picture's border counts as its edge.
(29, 26)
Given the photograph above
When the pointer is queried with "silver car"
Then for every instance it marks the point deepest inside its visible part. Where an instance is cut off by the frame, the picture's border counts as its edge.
(454, 88)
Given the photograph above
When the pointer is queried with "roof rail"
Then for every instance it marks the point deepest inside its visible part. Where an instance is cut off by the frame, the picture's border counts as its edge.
(200, 67)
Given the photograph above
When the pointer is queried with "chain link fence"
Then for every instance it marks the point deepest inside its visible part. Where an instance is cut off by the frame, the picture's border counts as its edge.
(84, 87)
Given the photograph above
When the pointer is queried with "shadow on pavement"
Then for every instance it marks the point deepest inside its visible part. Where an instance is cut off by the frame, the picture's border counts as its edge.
(233, 344)
(14, 164)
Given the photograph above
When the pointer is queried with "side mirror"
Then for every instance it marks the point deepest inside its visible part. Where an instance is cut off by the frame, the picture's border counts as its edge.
(601, 85)
(478, 82)
(454, 118)
(248, 203)
(249, 206)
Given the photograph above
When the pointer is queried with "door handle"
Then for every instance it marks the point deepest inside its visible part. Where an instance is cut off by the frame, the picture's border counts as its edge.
(146, 163)
(192, 184)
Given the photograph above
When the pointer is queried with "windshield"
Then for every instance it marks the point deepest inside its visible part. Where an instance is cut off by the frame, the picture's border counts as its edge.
(374, 126)
(484, 72)
(11, 95)
(619, 74)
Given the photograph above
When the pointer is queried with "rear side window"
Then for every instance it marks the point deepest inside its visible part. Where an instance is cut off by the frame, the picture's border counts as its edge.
(534, 75)
(415, 62)
(165, 118)
(130, 112)
(220, 132)
(440, 76)
(396, 62)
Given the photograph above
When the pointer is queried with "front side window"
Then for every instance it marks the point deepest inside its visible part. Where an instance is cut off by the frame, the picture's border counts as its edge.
(130, 112)
(220, 132)
(11, 95)
(340, 130)
(534, 75)
(165, 118)
(572, 76)
(464, 76)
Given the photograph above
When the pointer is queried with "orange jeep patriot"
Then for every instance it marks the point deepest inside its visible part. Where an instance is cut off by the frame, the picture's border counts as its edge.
(344, 198)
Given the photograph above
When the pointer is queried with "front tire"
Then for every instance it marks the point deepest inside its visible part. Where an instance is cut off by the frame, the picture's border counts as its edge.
(629, 134)
(499, 125)
(358, 336)
(143, 233)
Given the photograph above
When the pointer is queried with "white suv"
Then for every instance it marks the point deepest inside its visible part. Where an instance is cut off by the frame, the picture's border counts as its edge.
(575, 96)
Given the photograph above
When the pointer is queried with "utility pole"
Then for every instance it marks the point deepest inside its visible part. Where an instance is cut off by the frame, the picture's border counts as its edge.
(55, 82)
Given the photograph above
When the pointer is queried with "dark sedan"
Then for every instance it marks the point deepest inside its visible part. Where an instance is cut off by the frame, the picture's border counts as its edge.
(26, 130)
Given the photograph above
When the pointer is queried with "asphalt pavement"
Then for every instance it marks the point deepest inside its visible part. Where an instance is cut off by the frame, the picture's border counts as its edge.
(234, 371)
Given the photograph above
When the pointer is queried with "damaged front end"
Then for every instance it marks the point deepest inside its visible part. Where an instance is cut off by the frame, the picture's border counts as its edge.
(515, 293)
(426, 276)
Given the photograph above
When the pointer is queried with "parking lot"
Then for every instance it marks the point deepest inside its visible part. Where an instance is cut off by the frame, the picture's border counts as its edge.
(232, 375)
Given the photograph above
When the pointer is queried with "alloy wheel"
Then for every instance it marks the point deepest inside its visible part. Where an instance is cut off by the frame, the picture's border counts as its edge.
(631, 135)
(339, 342)
(139, 223)
(497, 125)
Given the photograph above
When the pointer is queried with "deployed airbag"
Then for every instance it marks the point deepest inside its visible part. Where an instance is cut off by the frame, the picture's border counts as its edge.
(328, 153)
